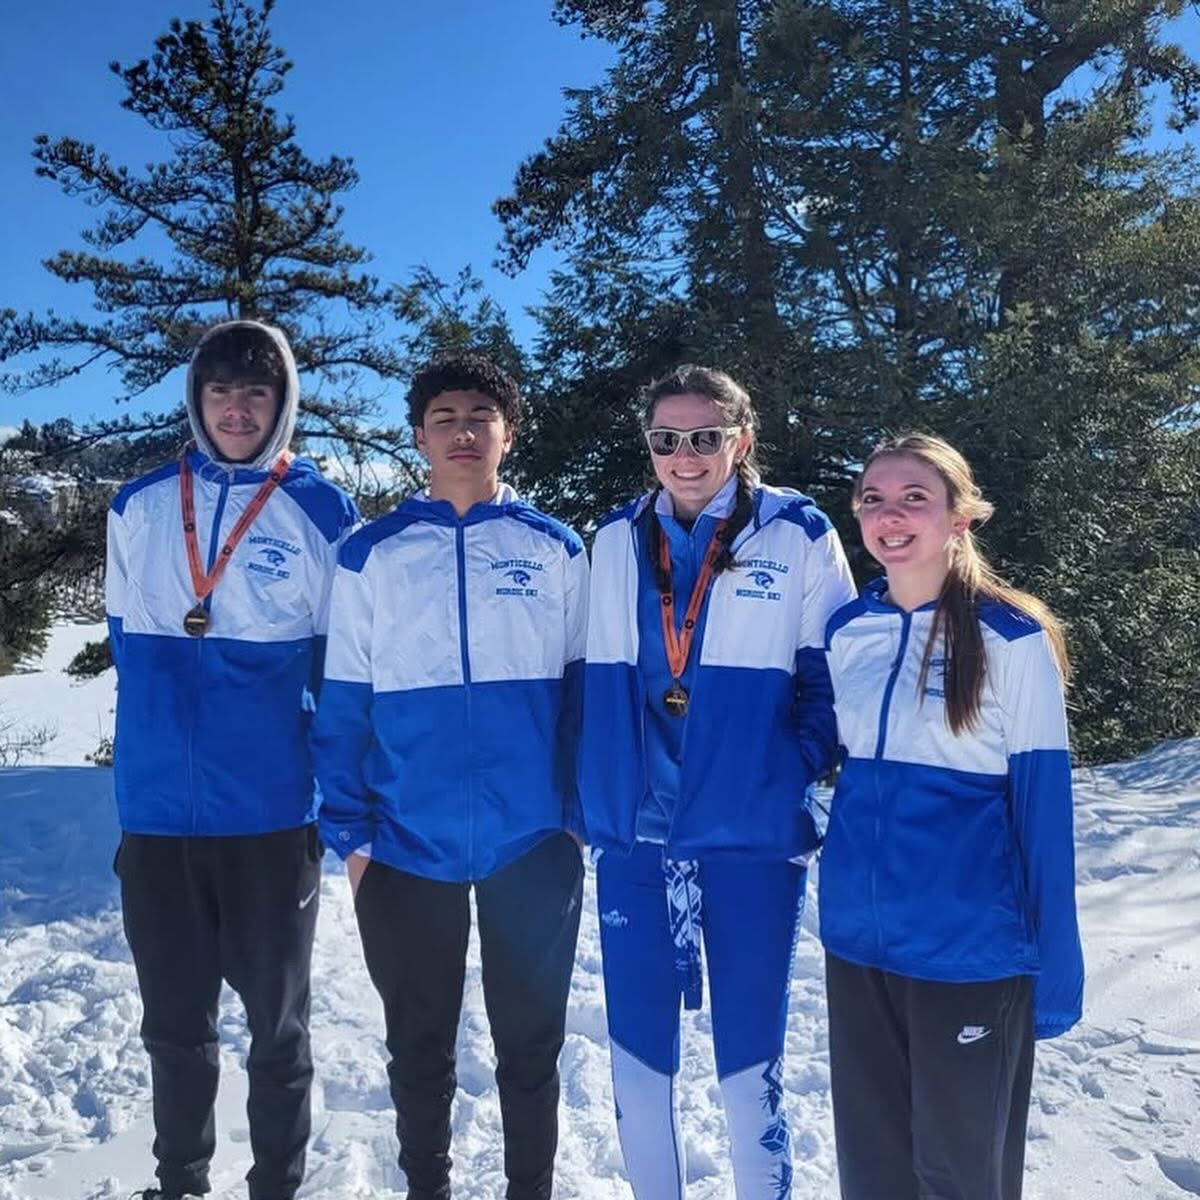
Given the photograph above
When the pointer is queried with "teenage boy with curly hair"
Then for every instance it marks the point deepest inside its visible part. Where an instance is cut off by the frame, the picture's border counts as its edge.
(444, 744)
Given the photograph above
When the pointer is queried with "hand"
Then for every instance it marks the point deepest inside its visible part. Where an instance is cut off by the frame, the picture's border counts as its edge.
(356, 868)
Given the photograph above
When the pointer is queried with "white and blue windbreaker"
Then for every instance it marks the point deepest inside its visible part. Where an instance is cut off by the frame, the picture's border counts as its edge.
(211, 735)
(760, 726)
(445, 736)
(951, 857)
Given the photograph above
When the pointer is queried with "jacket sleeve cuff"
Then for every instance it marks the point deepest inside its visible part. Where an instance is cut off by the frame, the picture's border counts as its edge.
(1051, 1025)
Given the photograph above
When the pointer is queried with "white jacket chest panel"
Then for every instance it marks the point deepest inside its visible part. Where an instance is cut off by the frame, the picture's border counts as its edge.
(612, 632)
(270, 589)
(862, 659)
(512, 578)
(756, 611)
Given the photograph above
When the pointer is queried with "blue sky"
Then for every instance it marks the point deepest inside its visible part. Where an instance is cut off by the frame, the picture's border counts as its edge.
(437, 104)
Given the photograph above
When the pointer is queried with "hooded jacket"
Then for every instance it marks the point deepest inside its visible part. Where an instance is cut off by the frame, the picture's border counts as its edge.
(211, 732)
(759, 729)
(445, 736)
(951, 857)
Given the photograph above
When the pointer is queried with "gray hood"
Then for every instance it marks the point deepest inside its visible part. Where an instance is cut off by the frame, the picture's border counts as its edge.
(285, 423)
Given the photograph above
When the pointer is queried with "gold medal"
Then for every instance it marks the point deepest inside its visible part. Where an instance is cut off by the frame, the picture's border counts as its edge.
(197, 621)
(675, 699)
(679, 645)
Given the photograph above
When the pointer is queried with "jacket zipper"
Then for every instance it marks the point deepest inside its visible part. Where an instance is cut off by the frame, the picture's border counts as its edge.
(697, 650)
(889, 688)
(461, 556)
(214, 542)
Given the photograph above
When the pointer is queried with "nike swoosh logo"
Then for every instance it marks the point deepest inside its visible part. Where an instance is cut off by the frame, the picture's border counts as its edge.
(305, 902)
(965, 1039)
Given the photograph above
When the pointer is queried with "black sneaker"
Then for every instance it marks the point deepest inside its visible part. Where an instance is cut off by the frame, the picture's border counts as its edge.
(159, 1194)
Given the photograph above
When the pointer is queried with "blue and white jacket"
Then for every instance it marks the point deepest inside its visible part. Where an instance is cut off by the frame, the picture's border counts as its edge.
(952, 857)
(445, 736)
(211, 734)
(760, 726)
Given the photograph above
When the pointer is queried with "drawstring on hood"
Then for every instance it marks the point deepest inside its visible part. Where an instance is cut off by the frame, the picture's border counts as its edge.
(285, 421)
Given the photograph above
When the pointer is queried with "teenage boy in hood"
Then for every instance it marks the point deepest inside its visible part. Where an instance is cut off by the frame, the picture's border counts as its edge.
(219, 568)
(444, 746)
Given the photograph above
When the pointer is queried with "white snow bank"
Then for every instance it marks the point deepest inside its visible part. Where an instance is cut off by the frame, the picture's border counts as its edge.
(1116, 1111)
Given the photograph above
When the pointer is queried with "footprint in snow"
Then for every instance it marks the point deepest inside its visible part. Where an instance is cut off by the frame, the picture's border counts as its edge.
(1182, 1172)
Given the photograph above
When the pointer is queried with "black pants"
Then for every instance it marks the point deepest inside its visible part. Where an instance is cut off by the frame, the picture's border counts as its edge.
(414, 934)
(930, 1084)
(198, 910)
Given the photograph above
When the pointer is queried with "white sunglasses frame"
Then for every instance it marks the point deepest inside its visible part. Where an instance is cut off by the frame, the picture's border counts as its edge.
(686, 435)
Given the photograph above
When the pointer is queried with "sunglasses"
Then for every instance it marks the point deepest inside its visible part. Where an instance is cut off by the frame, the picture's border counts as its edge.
(704, 442)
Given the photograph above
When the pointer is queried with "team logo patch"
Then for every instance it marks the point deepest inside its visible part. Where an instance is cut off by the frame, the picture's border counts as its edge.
(270, 556)
(516, 576)
(937, 678)
(764, 577)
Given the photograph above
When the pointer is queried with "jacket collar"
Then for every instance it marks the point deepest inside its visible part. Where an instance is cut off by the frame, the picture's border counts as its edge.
(873, 598)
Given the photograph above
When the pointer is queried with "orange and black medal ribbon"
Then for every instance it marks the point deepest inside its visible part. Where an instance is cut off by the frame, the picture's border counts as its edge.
(679, 645)
(197, 619)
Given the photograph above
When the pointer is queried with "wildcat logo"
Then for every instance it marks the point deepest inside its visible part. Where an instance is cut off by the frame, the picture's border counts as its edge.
(762, 574)
(521, 572)
(275, 552)
(274, 557)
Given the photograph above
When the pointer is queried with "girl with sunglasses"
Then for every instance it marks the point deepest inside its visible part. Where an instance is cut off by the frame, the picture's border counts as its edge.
(947, 875)
(707, 716)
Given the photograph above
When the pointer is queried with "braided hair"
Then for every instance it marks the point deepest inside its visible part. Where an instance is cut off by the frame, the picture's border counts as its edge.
(733, 403)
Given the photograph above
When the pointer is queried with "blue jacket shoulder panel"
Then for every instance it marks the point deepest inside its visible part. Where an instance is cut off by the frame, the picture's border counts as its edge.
(784, 504)
(323, 503)
(131, 489)
(358, 546)
(1009, 622)
(842, 617)
(627, 512)
(552, 528)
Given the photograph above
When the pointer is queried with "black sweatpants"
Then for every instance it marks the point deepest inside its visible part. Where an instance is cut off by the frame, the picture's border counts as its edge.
(930, 1084)
(198, 910)
(414, 934)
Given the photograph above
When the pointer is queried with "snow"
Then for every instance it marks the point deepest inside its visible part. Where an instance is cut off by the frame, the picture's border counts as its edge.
(1116, 1107)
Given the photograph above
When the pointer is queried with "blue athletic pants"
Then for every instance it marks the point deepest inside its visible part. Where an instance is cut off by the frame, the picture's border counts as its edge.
(750, 915)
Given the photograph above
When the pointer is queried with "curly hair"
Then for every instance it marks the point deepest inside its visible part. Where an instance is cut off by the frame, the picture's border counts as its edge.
(466, 371)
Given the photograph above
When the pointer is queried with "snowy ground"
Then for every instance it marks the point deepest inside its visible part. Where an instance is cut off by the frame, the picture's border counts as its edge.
(1116, 1109)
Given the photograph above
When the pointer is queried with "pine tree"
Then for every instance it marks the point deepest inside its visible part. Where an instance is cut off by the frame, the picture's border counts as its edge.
(899, 215)
(655, 185)
(236, 222)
